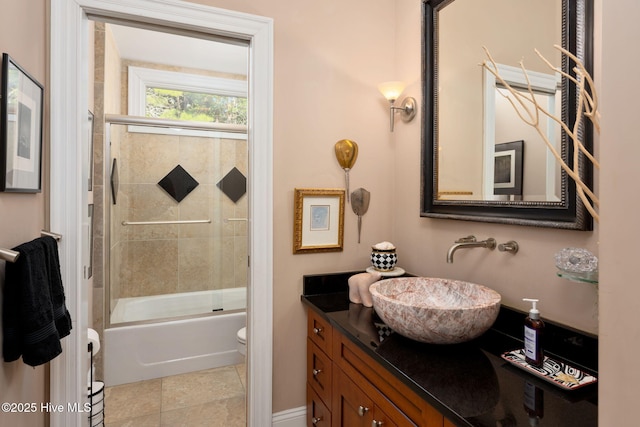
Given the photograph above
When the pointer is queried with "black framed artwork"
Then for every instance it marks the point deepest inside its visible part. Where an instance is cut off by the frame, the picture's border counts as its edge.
(507, 169)
(21, 116)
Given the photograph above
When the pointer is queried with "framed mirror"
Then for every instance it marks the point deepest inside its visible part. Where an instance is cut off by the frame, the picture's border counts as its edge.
(480, 161)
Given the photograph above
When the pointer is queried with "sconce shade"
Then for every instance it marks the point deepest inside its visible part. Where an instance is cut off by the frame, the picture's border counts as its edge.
(407, 108)
(391, 90)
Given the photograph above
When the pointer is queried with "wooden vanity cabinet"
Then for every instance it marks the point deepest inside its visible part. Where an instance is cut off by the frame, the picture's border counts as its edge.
(347, 388)
(319, 370)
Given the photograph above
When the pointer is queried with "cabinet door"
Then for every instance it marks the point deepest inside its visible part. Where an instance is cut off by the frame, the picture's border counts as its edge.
(319, 368)
(351, 406)
(380, 419)
(318, 415)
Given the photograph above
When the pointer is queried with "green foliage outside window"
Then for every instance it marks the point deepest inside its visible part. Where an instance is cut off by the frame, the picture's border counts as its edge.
(195, 107)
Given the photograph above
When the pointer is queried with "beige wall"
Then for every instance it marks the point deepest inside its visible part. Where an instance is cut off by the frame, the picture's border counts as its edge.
(23, 29)
(620, 151)
(328, 58)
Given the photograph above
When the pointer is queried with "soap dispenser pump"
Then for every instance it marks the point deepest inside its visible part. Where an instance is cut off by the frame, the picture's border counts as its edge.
(533, 332)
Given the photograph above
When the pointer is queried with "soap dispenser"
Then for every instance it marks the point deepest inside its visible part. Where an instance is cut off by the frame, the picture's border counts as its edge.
(533, 332)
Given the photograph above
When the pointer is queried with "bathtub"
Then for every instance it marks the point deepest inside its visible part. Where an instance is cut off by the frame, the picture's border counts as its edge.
(135, 352)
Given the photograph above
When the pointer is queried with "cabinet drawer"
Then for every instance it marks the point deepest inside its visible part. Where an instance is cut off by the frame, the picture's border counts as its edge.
(318, 414)
(319, 372)
(319, 331)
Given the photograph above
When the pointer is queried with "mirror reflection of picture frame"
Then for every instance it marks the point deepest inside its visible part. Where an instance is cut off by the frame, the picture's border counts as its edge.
(318, 220)
(507, 169)
(21, 115)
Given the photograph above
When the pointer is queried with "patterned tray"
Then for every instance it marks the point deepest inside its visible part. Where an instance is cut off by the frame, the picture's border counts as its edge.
(558, 373)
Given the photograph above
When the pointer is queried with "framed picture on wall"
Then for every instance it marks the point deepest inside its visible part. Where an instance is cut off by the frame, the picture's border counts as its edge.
(507, 171)
(21, 115)
(318, 220)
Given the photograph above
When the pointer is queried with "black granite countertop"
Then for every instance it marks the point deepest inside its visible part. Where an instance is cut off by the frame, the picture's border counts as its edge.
(469, 383)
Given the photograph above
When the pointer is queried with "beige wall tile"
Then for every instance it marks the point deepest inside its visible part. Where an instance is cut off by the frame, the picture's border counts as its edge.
(149, 267)
(194, 265)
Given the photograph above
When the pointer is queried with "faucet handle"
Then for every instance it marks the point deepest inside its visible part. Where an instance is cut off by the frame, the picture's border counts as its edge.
(510, 246)
(468, 239)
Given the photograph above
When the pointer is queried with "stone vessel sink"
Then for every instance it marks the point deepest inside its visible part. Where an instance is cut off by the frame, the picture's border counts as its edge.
(436, 311)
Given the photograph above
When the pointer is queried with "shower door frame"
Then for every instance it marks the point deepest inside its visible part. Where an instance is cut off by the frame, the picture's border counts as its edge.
(68, 96)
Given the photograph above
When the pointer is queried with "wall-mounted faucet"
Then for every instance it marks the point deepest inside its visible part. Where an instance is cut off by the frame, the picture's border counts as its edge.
(470, 242)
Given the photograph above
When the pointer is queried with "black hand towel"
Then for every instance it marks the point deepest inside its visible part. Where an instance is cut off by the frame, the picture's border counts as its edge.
(29, 322)
(61, 315)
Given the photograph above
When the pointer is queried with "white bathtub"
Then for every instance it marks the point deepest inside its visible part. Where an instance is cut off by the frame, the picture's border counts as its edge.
(153, 350)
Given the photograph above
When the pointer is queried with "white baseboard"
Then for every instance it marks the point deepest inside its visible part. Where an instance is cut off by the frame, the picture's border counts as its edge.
(295, 417)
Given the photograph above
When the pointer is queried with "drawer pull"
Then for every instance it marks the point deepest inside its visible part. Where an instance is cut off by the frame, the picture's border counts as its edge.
(317, 330)
(316, 420)
(362, 410)
(316, 372)
(375, 423)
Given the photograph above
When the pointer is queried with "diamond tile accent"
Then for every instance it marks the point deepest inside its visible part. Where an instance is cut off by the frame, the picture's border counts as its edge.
(178, 183)
(233, 185)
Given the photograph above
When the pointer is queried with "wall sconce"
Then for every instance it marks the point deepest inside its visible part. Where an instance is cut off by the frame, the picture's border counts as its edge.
(407, 108)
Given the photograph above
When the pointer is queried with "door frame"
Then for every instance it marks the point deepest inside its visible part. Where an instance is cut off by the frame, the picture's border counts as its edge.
(68, 197)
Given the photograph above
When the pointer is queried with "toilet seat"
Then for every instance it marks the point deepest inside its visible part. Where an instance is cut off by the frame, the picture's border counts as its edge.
(242, 335)
(242, 340)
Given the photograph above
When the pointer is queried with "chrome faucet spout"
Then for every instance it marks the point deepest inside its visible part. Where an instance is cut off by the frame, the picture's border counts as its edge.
(470, 242)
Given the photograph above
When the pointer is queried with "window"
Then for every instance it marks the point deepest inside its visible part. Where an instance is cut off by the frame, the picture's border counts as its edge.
(195, 106)
(181, 96)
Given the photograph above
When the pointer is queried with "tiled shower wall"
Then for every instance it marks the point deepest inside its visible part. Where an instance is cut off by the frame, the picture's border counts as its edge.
(172, 258)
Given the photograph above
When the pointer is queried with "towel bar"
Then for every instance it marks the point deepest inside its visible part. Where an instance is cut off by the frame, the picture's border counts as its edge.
(9, 255)
(12, 256)
(51, 234)
(193, 221)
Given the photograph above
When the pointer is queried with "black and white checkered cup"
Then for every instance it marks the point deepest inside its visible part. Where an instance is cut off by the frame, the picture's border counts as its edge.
(383, 259)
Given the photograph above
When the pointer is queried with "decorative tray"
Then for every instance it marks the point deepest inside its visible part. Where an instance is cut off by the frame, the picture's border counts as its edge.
(558, 373)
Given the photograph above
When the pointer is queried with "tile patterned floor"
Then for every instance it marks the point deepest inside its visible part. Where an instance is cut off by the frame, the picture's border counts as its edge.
(211, 398)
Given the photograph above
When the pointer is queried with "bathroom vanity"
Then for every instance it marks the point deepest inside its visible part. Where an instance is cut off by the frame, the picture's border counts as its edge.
(361, 373)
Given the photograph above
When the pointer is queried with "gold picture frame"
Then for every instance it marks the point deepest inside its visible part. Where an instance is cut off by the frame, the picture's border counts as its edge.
(318, 220)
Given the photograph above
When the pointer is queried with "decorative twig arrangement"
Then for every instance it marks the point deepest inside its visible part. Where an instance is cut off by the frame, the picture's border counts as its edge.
(528, 109)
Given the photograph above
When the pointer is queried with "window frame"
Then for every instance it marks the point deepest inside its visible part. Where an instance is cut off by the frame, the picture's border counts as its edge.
(140, 78)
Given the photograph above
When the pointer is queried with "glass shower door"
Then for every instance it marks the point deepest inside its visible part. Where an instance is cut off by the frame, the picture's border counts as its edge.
(178, 229)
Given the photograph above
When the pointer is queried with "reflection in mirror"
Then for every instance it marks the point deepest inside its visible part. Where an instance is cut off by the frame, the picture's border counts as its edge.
(539, 172)
(469, 124)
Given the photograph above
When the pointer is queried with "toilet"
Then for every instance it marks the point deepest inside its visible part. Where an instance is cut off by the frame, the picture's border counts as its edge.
(242, 341)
